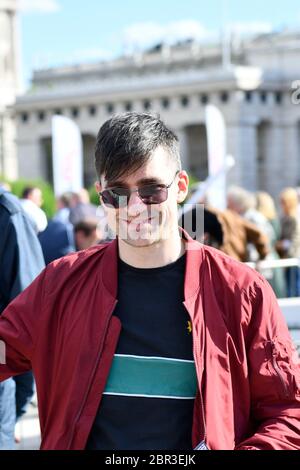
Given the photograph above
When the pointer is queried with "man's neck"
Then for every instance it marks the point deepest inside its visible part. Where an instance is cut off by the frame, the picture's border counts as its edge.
(156, 255)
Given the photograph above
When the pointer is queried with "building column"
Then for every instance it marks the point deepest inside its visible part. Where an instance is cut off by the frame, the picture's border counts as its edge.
(290, 156)
(9, 163)
(184, 147)
(273, 178)
(31, 165)
(282, 157)
(242, 145)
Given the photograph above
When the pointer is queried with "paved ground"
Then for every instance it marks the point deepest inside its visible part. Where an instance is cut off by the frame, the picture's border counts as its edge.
(28, 430)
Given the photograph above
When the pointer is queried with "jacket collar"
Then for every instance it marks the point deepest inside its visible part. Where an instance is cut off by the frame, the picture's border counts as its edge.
(194, 257)
(110, 268)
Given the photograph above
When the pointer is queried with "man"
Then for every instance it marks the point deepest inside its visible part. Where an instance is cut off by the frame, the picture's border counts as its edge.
(57, 239)
(21, 260)
(81, 207)
(153, 341)
(31, 202)
(87, 233)
(243, 202)
(63, 204)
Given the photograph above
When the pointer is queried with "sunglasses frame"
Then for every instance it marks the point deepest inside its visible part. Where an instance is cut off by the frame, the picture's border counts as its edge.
(131, 191)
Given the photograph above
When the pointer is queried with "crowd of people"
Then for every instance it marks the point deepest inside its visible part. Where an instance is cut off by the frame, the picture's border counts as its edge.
(252, 229)
(76, 224)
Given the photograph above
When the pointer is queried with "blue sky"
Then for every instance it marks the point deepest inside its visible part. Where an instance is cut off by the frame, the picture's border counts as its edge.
(55, 32)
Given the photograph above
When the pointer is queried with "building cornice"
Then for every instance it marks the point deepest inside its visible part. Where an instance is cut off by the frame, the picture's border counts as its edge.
(184, 83)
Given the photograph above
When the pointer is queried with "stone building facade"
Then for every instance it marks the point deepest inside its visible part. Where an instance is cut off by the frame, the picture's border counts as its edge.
(9, 86)
(255, 94)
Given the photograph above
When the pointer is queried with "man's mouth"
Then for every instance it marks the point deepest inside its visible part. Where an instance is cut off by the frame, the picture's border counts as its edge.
(136, 222)
(138, 225)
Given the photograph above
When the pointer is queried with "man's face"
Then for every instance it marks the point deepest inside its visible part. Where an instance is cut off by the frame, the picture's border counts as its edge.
(139, 224)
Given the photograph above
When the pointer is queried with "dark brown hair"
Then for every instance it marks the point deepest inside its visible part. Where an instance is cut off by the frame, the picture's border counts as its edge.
(126, 141)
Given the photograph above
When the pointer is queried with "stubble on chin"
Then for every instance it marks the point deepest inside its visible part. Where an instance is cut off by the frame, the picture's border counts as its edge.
(141, 243)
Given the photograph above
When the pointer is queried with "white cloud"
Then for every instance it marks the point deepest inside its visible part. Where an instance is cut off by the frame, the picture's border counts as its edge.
(41, 6)
(143, 35)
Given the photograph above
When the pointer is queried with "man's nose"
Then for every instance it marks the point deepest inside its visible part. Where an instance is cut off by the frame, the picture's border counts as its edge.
(135, 205)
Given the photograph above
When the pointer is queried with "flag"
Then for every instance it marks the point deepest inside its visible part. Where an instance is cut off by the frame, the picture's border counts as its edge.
(216, 144)
(67, 155)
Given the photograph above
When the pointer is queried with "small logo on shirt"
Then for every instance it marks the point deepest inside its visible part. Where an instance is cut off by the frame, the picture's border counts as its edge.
(189, 326)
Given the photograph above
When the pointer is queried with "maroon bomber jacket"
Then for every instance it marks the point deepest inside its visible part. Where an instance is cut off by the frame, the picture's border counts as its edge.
(62, 326)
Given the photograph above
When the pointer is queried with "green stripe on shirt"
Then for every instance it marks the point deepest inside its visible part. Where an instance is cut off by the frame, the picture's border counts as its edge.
(152, 377)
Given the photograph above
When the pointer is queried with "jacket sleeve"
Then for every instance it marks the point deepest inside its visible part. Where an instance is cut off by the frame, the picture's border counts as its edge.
(27, 251)
(21, 257)
(274, 376)
(19, 329)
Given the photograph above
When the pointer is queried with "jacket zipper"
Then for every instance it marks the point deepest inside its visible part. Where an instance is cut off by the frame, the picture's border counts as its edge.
(93, 373)
(278, 370)
(197, 349)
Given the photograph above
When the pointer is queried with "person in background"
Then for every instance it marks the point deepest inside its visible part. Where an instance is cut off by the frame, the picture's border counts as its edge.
(87, 233)
(298, 195)
(226, 231)
(31, 202)
(21, 260)
(57, 239)
(64, 204)
(243, 203)
(266, 206)
(81, 207)
(288, 246)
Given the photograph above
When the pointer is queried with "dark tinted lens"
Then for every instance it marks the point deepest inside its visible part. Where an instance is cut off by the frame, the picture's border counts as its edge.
(115, 197)
(109, 199)
(153, 194)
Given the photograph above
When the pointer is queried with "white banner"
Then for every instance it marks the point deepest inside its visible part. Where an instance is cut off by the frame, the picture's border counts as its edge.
(216, 144)
(67, 155)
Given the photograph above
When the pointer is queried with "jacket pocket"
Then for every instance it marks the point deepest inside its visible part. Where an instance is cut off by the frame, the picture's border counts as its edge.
(283, 366)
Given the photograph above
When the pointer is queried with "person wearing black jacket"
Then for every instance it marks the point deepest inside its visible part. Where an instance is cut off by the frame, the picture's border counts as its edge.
(21, 260)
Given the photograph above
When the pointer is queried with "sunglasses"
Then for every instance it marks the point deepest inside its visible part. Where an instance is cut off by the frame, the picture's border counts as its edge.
(148, 193)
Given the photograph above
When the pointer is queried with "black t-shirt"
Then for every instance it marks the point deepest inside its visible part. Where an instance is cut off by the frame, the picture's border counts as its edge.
(149, 395)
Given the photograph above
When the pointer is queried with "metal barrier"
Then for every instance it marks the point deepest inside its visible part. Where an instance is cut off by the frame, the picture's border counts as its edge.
(275, 263)
(290, 306)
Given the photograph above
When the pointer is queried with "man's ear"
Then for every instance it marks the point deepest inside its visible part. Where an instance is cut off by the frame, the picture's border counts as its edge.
(98, 187)
(183, 186)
